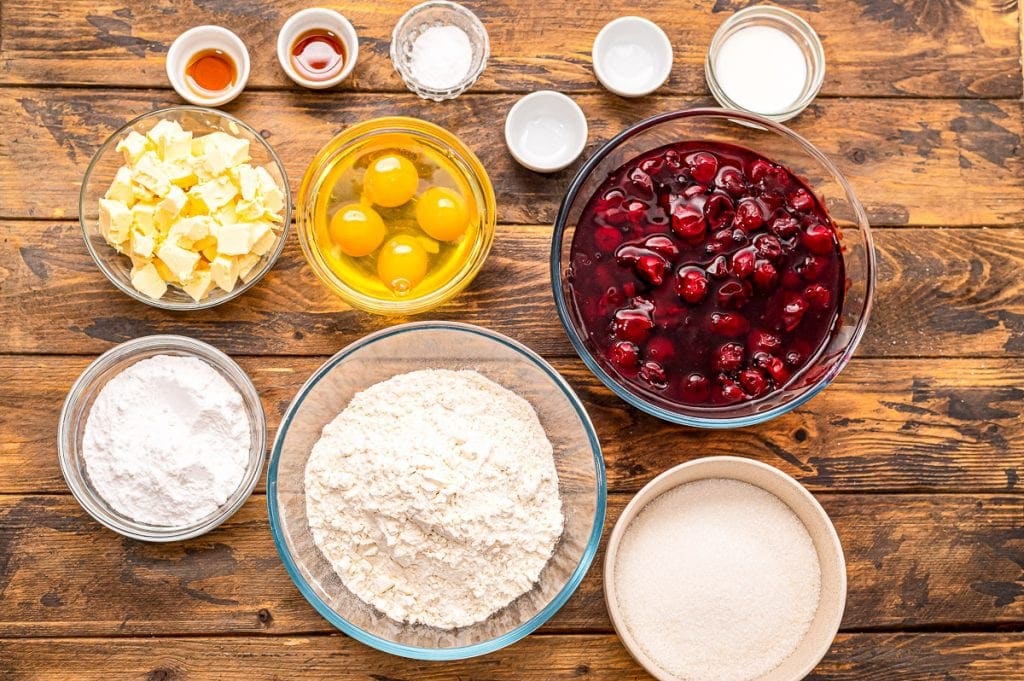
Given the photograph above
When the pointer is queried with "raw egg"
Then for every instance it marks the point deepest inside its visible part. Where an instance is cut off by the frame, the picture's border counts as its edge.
(390, 181)
(357, 229)
(442, 213)
(402, 263)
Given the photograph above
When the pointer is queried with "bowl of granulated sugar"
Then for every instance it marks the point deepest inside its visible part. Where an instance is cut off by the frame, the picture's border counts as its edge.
(725, 568)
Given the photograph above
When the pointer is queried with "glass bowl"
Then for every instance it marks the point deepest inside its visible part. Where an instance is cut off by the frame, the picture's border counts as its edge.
(107, 160)
(775, 142)
(438, 345)
(427, 15)
(347, 149)
(83, 393)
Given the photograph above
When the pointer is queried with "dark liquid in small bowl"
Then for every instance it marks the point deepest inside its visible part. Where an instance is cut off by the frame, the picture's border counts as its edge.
(703, 274)
(318, 54)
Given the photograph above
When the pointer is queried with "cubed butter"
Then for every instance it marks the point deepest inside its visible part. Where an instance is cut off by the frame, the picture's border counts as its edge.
(172, 142)
(233, 239)
(165, 272)
(147, 281)
(121, 188)
(245, 177)
(211, 195)
(133, 146)
(264, 244)
(247, 267)
(187, 231)
(250, 210)
(200, 285)
(168, 210)
(149, 174)
(115, 221)
(180, 261)
(224, 270)
(142, 218)
(143, 245)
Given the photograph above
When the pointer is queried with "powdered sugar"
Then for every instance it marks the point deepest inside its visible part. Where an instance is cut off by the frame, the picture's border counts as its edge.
(434, 495)
(717, 579)
(441, 57)
(167, 441)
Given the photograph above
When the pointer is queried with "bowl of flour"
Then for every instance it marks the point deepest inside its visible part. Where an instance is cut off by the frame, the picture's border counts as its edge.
(436, 490)
(162, 438)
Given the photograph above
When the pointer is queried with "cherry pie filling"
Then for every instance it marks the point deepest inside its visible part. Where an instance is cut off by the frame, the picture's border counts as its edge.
(704, 274)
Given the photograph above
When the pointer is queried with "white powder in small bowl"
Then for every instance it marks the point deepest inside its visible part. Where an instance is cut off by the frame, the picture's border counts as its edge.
(441, 57)
(717, 579)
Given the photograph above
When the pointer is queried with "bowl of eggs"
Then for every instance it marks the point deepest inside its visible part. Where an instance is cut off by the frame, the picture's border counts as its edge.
(396, 215)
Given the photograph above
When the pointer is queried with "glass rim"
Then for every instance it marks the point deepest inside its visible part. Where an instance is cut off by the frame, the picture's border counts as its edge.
(271, 256)
(120, 355)
(704, 417)
(418, 652)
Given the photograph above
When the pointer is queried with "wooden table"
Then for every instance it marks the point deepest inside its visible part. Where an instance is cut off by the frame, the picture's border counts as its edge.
(916, 452)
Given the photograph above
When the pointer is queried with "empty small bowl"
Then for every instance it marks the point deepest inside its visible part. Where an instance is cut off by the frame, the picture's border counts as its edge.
(419, 19)
(832, 601)
(196, 40)
(312, 19)
(545, 131)
(632, 56)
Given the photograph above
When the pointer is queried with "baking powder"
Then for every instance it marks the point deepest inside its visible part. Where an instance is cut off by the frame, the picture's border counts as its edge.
(167, 441)
(762, 69)
(441, 57)
(434, 496)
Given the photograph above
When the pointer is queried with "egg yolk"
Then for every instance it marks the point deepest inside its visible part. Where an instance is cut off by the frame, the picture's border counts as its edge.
(402, 263)
(442, 213)
(390, 181)
(358, 230)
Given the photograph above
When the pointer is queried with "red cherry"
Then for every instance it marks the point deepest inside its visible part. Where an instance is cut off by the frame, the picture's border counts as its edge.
(688, 223)
(728, 391)
(818, 296)
(641, 182)
(718, 210)
(729, 357)
(728, 324)
(719, 267)
(613, 198)
(765, 275)
(742, 264)
(660, 349)
(801, 201)
(636, 211)
(768, 246)
(734, 294)
(696, 387)
(754, 382)
(633, 325)
(694, 190)
(818, 239)
(731, 180)
(653, 374)
(624, 355)
(672, 159)
(760, 169)
(703, 166)
(607, 239)
(691, 284)
(748, 215)
(784, 227)
(793, 311)
(777, 370)
(763, 341)
(662, 245)
(652, 268)
(652, 166)
(812, 267)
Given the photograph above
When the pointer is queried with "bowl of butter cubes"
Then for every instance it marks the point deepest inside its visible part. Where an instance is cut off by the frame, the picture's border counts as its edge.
(185, 208)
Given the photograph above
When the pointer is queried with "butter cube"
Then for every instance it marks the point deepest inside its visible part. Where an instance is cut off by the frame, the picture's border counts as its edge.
(226, 214)
(181, 172)
(245, 177)
(233, 239)
(143, 245)
(121, 188)
(172, 142)
(133, 146)
(224, 271)
(181, 262)
(168, 210)
(219, 152)
(149, 173)
(138, 261)
(200, 285)
(186, 231)
(247, 267)
(207, 242)
(273, 195)
(165, 272)
(142, 218)
(250, 210)
(211, 195)
(264, 243)
(147, 281)
(210, 252)
(115, 221)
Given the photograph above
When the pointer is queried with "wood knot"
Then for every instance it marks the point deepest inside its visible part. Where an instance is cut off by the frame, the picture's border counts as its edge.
(800, 435)
(264, 616)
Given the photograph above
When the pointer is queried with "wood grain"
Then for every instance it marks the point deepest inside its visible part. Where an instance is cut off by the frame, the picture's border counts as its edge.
(874, 48)
(940, 293)
(594, 657)
(912, 560)
(908, 160)
(899, 425)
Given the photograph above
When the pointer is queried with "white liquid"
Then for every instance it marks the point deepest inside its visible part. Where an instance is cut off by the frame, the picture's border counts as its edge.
(544, 137)
(762, 69)
(629, 65)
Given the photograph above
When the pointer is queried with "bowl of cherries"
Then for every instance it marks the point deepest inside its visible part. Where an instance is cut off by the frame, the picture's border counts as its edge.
(712, 268)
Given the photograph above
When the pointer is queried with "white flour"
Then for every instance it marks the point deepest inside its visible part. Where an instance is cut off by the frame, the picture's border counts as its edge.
(167, 441)
(434, 496)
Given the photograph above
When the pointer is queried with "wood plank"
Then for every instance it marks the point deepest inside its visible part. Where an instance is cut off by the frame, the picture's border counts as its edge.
(908, 160)
(938, 425)
(912, 561)
(962, 49)
(594, 657)
(940, 293)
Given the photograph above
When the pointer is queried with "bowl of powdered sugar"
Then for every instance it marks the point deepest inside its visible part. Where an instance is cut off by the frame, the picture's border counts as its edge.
(728, 569)
(436, 490)
(162, 438)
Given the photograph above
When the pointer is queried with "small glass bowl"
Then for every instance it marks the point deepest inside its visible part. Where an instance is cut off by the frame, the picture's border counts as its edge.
(360, 139)
(775, 142)
(427, 15)
(105, 163)
(438, 345)
(793, 26)
(75, 413)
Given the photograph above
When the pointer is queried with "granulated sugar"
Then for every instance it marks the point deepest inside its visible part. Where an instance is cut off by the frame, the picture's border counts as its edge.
(717, 579)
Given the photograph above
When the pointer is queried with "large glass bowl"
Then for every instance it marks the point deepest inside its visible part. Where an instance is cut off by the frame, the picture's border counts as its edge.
(438, 345)
(107, 160)
(775, 142)
(347, 149)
